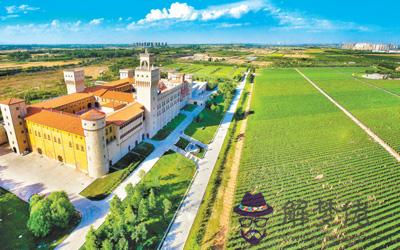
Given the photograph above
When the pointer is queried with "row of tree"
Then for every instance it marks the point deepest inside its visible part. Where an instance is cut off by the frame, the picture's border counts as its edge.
(129, 223)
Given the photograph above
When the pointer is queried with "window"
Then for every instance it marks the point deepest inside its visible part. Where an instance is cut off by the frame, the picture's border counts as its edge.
(82, 148)
(59, 141)
(77, 146)
(70, 144)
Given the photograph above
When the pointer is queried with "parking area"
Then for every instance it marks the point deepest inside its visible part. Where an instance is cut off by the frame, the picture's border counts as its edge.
(33, 173)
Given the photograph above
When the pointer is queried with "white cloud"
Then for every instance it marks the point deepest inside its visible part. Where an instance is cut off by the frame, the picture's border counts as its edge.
(54, 23)
(2, 18)
(23, 8)
(96, 21)
(232, 25)
(295, 20)
(183, 12)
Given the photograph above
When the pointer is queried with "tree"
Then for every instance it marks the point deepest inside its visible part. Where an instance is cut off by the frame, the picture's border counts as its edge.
(152, 200)
(107, 245)
(39, 222)
(167, 206)
(143, 210)
(130, 218)
(62, 209)
(122, 244)
(91, 240)
(140, 233)
(47, 212)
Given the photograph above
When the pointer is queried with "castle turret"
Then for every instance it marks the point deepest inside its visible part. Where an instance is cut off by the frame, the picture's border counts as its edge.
(94, 123)
(126, 73)
(14, 111)
(75, 80)
(146, 79)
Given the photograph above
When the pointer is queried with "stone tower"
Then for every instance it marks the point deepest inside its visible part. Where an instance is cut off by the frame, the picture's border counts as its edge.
(75, 80)
(146, 78)
(94, 123)
(14, 111)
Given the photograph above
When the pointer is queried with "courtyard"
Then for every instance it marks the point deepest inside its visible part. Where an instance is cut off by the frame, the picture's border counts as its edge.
(32, 173)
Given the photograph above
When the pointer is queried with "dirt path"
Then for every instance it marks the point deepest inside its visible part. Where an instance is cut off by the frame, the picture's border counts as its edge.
(367, 130)
(229, 192)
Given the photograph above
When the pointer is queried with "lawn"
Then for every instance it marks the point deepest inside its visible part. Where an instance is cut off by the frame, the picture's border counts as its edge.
(14, 234)
(205, 128)
(167, 129)
(301, 150)
(169, 178)
(102, 187)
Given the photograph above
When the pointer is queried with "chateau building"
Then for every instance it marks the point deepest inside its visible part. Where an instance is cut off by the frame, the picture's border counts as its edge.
(91, 128)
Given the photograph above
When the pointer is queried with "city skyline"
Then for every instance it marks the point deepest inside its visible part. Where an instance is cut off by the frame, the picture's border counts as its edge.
(180, 22)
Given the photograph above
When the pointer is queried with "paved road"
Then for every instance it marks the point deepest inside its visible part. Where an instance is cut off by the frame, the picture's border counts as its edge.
(95, 212)
(179, 231)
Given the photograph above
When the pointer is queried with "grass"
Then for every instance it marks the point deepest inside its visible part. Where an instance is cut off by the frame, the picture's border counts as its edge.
(299, 146)
(206, 224)
(167, 129)
(205, 128)
(102, 187)
(189, 107)
(14, 234)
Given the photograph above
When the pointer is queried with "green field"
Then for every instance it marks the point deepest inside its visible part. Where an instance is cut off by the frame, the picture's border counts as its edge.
(377, 109)
(207, 72)
(300, 147)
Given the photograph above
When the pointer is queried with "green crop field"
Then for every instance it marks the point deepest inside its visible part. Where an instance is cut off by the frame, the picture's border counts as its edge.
(300, 147)
(203, 71)
(376, 108)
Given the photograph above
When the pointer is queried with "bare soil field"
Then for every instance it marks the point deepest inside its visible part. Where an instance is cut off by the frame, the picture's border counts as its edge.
(36, 64)
(95, 71)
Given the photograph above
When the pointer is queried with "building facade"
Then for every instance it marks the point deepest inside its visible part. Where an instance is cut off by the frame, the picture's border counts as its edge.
(92, 128)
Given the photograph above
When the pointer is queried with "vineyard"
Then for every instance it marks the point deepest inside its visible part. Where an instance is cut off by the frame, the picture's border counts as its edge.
(377, 109)
(202, 71)
(300, 149)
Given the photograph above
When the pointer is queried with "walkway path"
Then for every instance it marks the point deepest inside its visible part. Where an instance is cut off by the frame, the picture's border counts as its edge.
(191, 139)
(355, 120)
(95, 212)
(180, 228)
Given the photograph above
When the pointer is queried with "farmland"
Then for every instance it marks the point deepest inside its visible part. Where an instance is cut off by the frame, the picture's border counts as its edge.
(204, 71)
(299, 147)
(377, 109)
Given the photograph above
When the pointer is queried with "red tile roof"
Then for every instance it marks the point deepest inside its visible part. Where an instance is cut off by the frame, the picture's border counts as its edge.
(56, 119)
(126, 114)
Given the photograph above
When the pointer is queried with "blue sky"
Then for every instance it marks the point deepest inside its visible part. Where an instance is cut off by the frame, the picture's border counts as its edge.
(199, 21)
